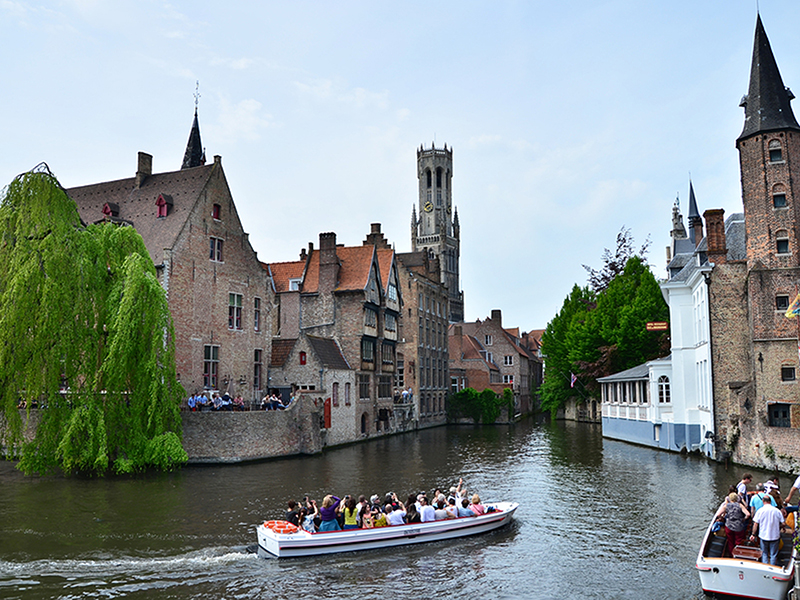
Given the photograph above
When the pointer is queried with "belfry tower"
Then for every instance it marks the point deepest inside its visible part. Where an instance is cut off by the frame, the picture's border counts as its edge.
(437, 230)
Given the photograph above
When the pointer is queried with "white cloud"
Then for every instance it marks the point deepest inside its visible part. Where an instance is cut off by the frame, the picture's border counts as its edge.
(325, 90)
(244, 120)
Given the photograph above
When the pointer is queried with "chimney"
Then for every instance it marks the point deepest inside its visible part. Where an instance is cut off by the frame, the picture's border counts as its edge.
(144, 168)
(715, 233)
(457, 331)
(328, 263)
(497, 317)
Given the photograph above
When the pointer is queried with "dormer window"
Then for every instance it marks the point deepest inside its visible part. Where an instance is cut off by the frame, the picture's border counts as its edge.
(164, 204)
(216, 211)
(110, 210)
(294, 285)
(775, 152)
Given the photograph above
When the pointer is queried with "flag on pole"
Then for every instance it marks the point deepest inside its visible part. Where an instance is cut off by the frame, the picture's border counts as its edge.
(794, 308)
(573, 378)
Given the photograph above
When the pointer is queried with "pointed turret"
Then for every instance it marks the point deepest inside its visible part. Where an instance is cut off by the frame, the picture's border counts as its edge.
(194, 155)
(695, 220)
(766, 106)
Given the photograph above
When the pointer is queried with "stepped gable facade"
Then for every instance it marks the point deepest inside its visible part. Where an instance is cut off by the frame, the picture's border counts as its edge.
(349, 295)
(219, 295)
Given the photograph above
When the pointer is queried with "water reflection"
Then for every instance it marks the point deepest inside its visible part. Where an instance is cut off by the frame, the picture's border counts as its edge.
(598, 519)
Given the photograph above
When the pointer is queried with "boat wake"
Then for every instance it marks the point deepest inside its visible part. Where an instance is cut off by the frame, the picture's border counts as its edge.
(113, 576)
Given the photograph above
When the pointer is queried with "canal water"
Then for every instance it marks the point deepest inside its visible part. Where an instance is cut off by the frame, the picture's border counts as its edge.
(597, 519)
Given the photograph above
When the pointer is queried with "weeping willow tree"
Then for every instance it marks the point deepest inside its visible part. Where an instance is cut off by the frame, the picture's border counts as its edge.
(86, 336)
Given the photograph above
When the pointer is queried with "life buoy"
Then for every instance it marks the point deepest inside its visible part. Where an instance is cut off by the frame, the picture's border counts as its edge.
(280, 526)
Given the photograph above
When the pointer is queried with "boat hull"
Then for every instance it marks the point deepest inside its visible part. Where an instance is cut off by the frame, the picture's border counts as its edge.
(302, 543)
(743, 578)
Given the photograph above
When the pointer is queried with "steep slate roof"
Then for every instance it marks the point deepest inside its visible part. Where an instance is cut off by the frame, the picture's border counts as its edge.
(281, 349)
(766, 106)
(281, 273)
(328, 351)
(138, 205)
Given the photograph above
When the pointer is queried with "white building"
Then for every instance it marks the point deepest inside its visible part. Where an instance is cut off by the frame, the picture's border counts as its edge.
(666, 403)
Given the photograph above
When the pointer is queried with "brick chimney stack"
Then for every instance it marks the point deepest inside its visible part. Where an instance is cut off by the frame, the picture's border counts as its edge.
(328, 263)
(497, 317)
(715, 233)
(144, 168)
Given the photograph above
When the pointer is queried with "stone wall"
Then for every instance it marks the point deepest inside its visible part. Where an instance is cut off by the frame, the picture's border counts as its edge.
(214, 437)
(229, 437)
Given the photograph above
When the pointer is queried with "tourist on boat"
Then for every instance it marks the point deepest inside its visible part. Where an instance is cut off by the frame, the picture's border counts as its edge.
(767, 525)
(293, 513)
(452, 509)
(395, 512)
(367, 520)
(741, 487)
(736, 515)
(328, 513)
(464, 510)
(308, 515)
(476, 505)
(349, 511)
(773, 483)
(440, 513)
(375, 504)
(426, 512)
(412, 514)
(757, 499)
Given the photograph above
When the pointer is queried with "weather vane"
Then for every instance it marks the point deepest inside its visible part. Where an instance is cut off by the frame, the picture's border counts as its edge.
(196, 94)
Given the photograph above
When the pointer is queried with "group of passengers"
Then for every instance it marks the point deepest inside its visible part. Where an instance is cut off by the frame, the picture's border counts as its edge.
(762, 512)
(202, 402)
(348, 513)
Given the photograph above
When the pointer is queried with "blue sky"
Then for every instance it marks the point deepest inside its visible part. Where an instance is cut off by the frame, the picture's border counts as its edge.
(569, 120)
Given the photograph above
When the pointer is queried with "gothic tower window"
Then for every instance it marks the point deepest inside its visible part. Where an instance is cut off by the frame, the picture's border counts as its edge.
(782, 242)
(775, 152)
(779, 196)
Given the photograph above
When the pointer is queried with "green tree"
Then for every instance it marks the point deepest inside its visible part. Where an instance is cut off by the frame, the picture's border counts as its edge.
(602, 330)
(557, 339)
(481, 407)
(81, 307)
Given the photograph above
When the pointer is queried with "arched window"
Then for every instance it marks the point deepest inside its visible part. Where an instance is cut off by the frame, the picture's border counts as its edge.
(775, 152)
(364, 423)
(663, 390)
(778, 196)
(335, 394)
(782, 242)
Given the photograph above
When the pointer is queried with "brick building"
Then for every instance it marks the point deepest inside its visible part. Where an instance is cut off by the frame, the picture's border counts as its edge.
(754, 346)
(520, 367)
(423, 351)
(349, 296)
(219, 295)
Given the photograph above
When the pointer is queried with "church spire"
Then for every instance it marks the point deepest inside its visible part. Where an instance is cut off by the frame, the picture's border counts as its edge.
(695, 220)
(194, 156)
(766, 106)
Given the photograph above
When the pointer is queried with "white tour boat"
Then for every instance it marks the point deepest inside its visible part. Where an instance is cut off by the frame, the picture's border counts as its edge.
(281, 539)
(743, 574)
